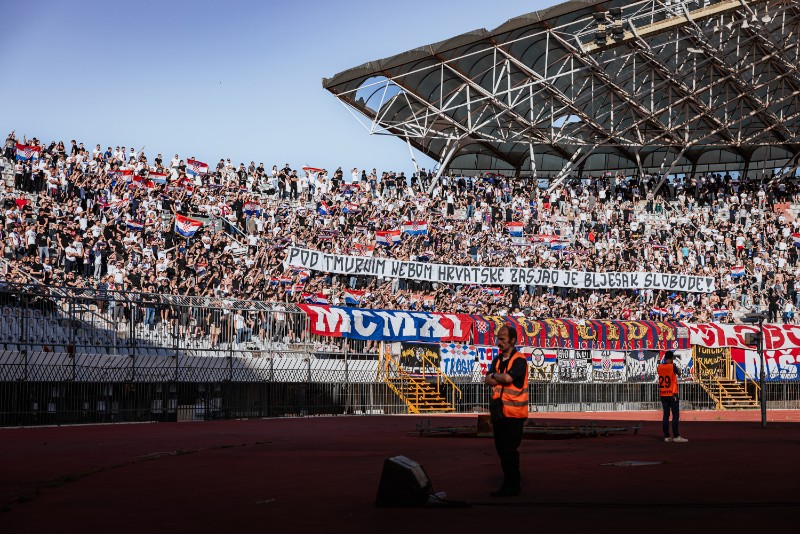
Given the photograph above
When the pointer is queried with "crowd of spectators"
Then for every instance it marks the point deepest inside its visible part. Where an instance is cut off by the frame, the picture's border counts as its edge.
(75, 217)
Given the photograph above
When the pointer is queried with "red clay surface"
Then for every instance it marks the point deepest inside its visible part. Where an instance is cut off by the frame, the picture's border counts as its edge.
(295, 475)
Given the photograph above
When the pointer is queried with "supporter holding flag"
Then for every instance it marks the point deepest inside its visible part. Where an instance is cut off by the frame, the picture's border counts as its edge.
(388, 238)
(737, 271)
(415, 227)
(515, 229)
(318, 298)
(186, 226)
(27, 152)
(158, 177)
(195, 167)
(719, 314)
(352, 297)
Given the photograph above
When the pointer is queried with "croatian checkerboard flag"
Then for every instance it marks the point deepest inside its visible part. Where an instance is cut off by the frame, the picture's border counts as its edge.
(27, 152)
(195, 167)
(738, 271)
(415, 227)
(608, 360)
(134, 225)
(323, 209)
(515, 229)
(319, 298)
(186, 226)
(388, 238)
(796, 239)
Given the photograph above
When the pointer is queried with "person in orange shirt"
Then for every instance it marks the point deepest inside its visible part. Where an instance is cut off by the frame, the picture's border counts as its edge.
(668, 374)
(508, 376)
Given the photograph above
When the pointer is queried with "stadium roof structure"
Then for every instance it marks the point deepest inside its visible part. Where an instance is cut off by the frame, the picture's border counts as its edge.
(651, 86)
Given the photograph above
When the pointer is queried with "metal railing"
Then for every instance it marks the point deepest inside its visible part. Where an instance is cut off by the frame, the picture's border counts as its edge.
(73, 355)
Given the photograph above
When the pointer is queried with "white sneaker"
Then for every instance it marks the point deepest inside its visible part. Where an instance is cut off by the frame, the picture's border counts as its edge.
(668, 440)
(680, 439)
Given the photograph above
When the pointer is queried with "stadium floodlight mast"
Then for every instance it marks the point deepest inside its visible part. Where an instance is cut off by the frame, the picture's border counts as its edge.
(757, 339)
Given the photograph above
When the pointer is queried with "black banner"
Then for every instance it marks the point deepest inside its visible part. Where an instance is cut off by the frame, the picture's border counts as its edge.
(710, 362)
(415, 356)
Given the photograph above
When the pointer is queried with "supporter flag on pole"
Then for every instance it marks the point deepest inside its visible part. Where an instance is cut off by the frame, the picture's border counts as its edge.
(352, 297)
(195, 167)
(134, 225)
(387, 238)
(515, 229)
(27, 152)
(415, 227)
(796, 239)
(737, 272)
(186, 226)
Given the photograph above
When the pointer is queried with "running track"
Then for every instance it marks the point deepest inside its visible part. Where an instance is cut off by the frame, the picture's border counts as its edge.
(295, 475)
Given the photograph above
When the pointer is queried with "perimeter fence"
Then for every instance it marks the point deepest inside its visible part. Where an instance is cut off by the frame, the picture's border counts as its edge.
(72, 355)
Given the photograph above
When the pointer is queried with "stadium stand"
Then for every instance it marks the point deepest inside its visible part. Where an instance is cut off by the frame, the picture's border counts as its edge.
(97, 219)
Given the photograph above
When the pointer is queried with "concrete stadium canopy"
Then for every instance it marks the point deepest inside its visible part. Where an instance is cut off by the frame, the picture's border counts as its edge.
(651, 86)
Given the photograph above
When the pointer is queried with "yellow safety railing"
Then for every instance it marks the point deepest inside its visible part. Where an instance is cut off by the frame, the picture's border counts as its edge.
(439, 376)
(747, 378)
(393, 373)
(709, 382)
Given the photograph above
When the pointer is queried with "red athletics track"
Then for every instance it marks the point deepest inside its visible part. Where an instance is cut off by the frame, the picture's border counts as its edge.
(295, 475)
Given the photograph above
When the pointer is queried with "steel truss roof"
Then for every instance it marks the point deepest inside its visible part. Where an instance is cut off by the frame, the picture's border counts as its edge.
(667, 85)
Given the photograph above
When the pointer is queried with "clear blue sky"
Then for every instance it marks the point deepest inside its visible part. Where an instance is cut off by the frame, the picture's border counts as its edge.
(238, 79)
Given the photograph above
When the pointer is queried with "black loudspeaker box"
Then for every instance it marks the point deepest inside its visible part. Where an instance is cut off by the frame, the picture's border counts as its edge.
(404, 484)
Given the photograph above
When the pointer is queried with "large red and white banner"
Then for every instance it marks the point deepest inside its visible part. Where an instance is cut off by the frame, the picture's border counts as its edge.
(780, 365)
(776, 336)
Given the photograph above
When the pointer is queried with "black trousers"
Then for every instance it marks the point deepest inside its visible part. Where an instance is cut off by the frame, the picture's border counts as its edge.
(671, 404)
(507, 439)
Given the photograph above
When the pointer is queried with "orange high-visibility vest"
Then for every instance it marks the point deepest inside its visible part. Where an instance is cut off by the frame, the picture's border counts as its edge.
(515, 401)
(667, 380)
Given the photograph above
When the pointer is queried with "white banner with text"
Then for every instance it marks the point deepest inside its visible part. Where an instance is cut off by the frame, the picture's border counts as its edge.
(492, 276)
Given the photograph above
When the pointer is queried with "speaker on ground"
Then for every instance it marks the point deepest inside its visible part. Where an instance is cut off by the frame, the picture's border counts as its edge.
(404, 484)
